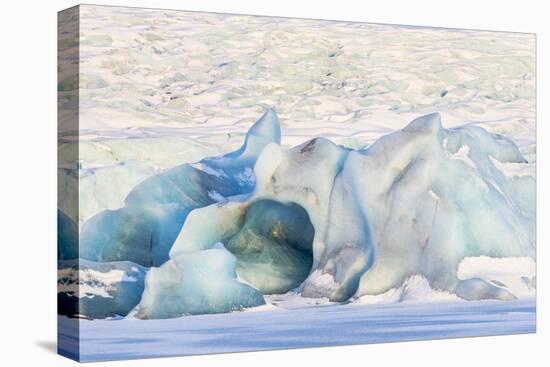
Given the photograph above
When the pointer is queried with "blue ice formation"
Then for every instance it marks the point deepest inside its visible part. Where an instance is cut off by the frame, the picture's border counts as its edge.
(203, 282)
(273, 246)
(99, 290)
(417, 201)
(321, 219)
(144, 230)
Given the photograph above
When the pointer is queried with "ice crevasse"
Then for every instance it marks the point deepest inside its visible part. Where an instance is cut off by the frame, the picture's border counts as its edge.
(324, 220)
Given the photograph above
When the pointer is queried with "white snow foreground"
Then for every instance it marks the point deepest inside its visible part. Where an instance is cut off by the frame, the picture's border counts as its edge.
(329, 222)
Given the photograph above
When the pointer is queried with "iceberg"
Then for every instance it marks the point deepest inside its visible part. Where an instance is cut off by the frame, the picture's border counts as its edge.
(416, 208)
(415, 203)
(476, 289)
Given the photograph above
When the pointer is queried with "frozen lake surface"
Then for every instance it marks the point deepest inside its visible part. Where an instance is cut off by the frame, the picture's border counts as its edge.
(307, 327)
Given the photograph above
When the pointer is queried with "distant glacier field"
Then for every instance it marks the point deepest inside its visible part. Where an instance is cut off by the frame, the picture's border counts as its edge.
(305, 327)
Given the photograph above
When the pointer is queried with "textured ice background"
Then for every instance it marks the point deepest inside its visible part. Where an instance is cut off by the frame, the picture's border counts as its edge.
(213, 72)
(144, 69)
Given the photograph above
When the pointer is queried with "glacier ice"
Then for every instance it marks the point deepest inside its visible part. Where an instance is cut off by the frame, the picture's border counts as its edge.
(273, 246)
(476, 289)
(438, 199)
(99, 290)
(200, 283)
(416, 202)
(517, 275)
(110, 168)
(144, 230)
(67, 237)
(325, 221)
(141, 234)
(271, 240)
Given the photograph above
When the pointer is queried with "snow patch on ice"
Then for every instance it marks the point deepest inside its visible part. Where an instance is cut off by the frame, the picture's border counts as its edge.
(246, 177)
(295, 300)
(513, 170)
(216, 196)
(208, 169)
(415, 289)
(463, 155)
(514, 274)
(92, 282)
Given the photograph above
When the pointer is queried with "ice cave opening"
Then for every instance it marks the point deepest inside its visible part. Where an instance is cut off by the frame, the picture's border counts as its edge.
(274, 246)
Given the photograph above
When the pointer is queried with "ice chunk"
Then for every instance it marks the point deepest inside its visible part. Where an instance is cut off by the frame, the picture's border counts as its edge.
(273, 246)
(476, 289)
(99, 290)
(67, 237)
(319, 284)
(515, 274)
(201, 282)
(143, 235)
(266, 130)
(209, 225)
(271, 240)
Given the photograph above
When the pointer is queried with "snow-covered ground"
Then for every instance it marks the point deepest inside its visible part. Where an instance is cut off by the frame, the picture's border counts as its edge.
(304, 327)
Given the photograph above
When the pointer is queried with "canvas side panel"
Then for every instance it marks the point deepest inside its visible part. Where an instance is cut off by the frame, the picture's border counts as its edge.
(68, 335)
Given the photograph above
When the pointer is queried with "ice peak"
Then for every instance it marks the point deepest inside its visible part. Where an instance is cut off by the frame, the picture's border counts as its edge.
(430, 123)
(267, 129)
